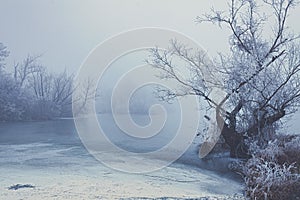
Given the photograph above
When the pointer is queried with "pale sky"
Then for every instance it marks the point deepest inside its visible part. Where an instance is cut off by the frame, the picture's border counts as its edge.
(65, 31)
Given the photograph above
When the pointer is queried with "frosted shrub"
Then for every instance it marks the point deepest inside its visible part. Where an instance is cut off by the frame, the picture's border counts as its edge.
(292, 152)
(269, 180)
(273, 172)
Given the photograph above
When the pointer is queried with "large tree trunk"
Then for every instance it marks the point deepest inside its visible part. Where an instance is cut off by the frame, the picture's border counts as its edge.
(235, 140)
(236, 143)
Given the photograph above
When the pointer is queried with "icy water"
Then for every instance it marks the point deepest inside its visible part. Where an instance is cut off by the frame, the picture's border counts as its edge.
(61, 133)
(50, 156)
(29, 140)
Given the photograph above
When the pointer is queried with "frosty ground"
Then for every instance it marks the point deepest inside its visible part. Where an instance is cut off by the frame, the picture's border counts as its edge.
(61, 168)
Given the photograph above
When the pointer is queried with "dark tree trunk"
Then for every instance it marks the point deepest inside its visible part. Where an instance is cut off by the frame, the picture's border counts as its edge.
(236, 143)
(235, 140)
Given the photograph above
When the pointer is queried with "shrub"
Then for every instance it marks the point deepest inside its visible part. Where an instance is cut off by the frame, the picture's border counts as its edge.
(273, 172)
(269, 180)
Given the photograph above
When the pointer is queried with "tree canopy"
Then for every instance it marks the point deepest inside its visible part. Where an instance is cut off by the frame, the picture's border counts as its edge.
(260, 75)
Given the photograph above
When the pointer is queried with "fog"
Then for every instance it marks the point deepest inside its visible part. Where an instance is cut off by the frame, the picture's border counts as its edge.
(64, 32)
(53, 133)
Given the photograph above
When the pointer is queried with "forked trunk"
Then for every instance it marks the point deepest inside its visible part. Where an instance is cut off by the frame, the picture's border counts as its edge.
(236, 143)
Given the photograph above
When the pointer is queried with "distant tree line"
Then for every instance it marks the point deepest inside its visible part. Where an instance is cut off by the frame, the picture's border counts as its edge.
(31, 92)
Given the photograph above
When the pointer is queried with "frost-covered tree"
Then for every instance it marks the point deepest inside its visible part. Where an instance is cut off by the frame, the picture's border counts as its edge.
(261, 74)
(3, 54)
(10, 107)
(31, 92)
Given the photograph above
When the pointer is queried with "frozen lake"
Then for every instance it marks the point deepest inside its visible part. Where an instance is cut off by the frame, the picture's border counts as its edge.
(50, 156)
(61, 133)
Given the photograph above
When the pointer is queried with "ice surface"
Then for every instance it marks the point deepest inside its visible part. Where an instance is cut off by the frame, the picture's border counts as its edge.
(50, 156)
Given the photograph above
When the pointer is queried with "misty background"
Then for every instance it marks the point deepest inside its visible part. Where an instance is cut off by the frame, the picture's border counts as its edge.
(47, 150)
(64, 32)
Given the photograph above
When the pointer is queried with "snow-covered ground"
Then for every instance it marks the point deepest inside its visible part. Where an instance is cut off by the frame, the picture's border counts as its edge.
(49, 156)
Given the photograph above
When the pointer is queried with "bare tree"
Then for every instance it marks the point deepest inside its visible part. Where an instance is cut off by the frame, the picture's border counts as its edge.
(260, 75)
(25, 69)
(62, 89)
(84, 93)
(31, 92)
(52, 91)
